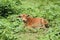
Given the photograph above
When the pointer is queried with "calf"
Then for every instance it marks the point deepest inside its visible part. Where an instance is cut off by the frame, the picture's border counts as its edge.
(33, 22)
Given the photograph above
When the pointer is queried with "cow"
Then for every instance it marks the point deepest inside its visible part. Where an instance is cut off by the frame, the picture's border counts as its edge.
(31, 22)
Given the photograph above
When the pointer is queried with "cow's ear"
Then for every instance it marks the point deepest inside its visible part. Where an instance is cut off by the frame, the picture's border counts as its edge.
(28, 15)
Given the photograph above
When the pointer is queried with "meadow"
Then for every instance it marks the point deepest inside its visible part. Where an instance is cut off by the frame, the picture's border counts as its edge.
(12, 28)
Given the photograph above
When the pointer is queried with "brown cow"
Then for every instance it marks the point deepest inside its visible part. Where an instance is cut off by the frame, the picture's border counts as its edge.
(33, 22)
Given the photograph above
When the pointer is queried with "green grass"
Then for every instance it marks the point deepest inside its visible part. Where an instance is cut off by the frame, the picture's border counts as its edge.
(12, 28)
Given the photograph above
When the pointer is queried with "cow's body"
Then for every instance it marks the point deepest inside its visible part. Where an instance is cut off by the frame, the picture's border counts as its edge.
(34, 22)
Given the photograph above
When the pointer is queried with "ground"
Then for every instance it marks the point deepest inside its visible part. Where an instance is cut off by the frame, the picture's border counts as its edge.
(12, 28)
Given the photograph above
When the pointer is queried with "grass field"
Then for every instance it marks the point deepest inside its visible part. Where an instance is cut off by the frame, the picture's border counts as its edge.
(12, 28)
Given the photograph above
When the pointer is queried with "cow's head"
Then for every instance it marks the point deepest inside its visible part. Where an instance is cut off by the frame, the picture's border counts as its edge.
(24, 17)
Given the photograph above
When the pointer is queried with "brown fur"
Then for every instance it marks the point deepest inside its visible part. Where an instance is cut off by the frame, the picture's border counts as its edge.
(33, 22)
